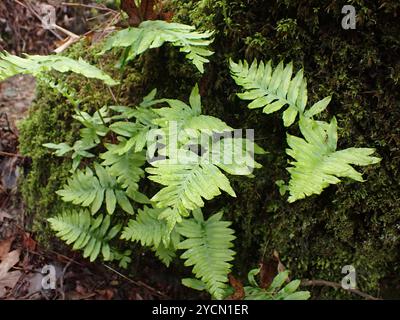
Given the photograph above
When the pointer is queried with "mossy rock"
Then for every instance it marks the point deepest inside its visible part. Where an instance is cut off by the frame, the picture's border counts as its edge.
(349, 224)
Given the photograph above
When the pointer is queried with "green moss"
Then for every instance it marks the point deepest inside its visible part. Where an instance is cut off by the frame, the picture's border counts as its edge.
(349, 224)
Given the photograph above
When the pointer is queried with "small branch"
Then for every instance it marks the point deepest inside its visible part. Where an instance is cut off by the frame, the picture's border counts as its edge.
(137, 283)
(8, 154)
(88, 6)
(308, 283)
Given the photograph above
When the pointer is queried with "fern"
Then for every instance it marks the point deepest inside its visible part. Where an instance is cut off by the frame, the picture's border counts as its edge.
(208, 250)
(92, 235)
(272, 89)
(188, 177)
(188, 183)
(153, 34)
(136, 132)
(95, 125)
(152, 232)
(126, 168)
(317, 163)
(11, 65)
(85, 189)
(277, 290)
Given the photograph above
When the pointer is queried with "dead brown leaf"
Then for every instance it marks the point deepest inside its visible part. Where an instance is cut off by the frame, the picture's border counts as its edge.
(148, 10)
(238, 287)
(28, 242)
(5, 246)
(3, 215)
(9, 279)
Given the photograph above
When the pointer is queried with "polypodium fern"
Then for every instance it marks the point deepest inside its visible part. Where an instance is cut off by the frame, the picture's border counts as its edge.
(126, 168)
(11, 65)
(92, 235)
(317, 163)
(95, 128)
(85, 189)
(187, 181)
(208, 250)
(277, 290)
(272, 88)
(189, 176)
(152, 232)
(153, 34)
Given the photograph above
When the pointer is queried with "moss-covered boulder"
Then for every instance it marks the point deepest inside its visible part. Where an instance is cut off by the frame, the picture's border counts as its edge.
(350, 224)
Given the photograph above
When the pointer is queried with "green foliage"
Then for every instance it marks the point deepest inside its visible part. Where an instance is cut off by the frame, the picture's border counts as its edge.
(85, 189)
(187, 183)
(152, 232)
(207, 246)
(188, 177)
(318, 164)
(153, 34)
(86, 233)
(315, 236)
(11, 65)
(272, 88)
(277, 290)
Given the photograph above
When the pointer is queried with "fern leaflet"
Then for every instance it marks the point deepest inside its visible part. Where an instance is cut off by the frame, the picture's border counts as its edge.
(272, 88)
(11, 65)
(92, 235)
(277, 290)
(153, 34)
(317, 163)
(85, 189)
(208, 250)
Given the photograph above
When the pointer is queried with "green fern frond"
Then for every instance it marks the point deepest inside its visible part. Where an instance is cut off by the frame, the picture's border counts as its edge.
(95, 125)
(80, 150)
(165, 254)
(277, 290)
(189, 116)
(147, 228)
(187, 181)
(318, 164)
(126, 168)
(153, 34)
(11, 65)
(208, 250)
(92, 235)
(272, 88)
(85, 189)
(151, 231)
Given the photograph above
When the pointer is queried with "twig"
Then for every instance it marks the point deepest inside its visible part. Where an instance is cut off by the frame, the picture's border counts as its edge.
(29, 7)
(8, 154)
(88, 6)
(62, 280)
(335, 285)
(137, 283)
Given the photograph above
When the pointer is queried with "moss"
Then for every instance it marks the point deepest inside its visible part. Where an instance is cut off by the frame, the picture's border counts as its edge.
(351, 223)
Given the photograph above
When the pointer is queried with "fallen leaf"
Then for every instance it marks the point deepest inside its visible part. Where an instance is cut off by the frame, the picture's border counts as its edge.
(28, 242)
(238, 287)
(3, 215)
(148, 10)
(9, 279)
(5, 246)
(106, 294)
(268, 271)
